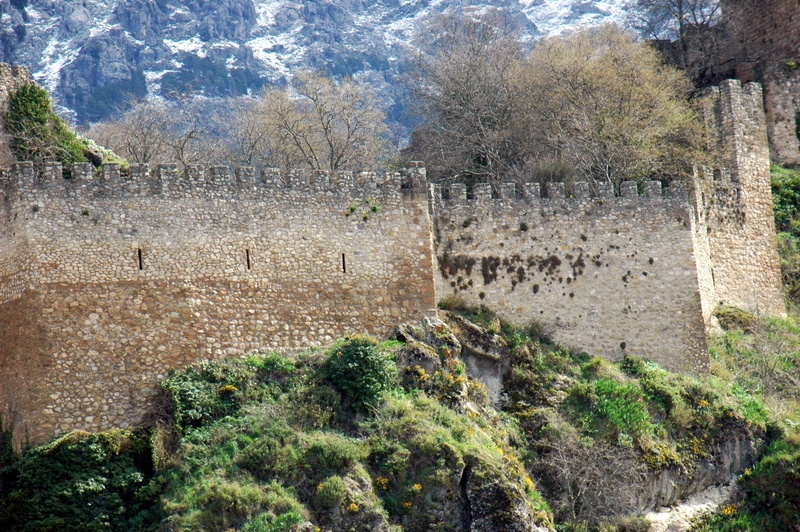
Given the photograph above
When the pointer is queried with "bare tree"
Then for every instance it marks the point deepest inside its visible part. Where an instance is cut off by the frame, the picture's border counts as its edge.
(589, 482)
(690, 26)
(327, 125)
(463, 83)
(139, 135)
(594, 105)
(160, 132)
(673, 19)
(245, 132)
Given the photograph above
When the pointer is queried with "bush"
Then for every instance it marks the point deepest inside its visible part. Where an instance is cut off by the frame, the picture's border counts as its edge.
(734, 318)
(83, 483)
(209, 391)
(360, 372)
(325, 453)
(37, 133)
(331, 492)
(268, 522)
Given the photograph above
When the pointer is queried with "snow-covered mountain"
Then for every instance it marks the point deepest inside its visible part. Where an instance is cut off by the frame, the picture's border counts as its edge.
(93, 55)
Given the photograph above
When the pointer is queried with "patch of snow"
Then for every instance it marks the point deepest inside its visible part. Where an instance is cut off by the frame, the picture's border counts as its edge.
(101, 28)
(35, 15)
(266, 10)
(277, 52)
(57, 55)
(559, 16)
(225, 44)
(193, 46)
(151, 76)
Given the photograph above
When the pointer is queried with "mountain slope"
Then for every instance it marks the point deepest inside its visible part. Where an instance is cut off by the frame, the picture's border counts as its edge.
(94, 55)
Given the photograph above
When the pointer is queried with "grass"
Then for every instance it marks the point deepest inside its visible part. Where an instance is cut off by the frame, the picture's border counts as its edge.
(339, 438)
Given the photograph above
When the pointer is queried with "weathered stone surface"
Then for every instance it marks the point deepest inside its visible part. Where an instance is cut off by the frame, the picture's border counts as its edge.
(110, 278)
(764, 46)
(136, 276)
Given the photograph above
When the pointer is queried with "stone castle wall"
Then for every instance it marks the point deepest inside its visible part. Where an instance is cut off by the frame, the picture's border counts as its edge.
(109, 279)
(130, 276)
(735, 202)
(765, 47)
(606, 275)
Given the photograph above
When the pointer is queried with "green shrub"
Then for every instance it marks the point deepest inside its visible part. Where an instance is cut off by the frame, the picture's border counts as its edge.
(786, 199)
(734, 318)
(208, 391)
(269, 522)
(452, 303)
(216, 503)
(326, 453)
(360, 372)
(83, 482)
(36, 132)
(330, 492)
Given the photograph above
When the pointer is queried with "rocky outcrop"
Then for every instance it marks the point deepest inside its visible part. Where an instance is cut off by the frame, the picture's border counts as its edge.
(94, 56)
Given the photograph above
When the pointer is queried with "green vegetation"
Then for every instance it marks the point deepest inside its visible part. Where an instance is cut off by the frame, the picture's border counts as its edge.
(761, 356)
(360, 372)
(37, 133)
(786, 201)
(267, 442)
(80, 482)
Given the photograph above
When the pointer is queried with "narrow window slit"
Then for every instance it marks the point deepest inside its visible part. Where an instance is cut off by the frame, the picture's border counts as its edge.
(247, 256)
(344, 264)
(141, 264)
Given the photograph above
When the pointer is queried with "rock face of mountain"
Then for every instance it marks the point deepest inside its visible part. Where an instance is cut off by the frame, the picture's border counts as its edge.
(94, 55)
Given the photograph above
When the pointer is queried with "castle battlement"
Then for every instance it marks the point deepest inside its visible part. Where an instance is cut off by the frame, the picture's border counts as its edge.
(27, 180)
(110, 277)
(533, 194)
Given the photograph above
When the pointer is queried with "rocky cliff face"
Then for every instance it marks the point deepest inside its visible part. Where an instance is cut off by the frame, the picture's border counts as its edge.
(93, 56)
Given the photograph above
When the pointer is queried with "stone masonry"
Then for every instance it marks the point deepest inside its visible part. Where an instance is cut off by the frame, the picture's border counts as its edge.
(765, 47)
(110, 278)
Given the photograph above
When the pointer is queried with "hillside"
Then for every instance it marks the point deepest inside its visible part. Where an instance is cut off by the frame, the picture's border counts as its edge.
(92, 55)
(399, 435)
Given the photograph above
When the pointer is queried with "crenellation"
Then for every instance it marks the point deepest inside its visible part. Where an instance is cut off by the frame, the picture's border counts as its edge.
(245, 175)
(120, 278)
(676, 190)
(532, 191)
(220, 176)
(555, 191)
(344, 179)
(629, 189)
(50, 172)
(653, 189)
(167, 174)
(458, 192)
(138, 172)
(507, 191)
(605, 190)
(195, 175)
(111, 172)
(482, 192)
(581, 190)
(297, 179)
(82, 171)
